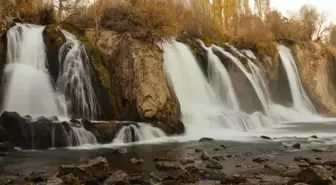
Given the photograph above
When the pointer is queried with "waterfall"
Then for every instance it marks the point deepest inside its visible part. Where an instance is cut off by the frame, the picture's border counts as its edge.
(28, 85)
(74, 79)
(136, 133)
(301, 102)
(203, 110)
(220, 80)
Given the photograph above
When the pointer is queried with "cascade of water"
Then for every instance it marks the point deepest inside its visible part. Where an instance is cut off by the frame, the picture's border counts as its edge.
(220, 80)
(74, 79)
(203, 112)
(28, 85)
(257, 88)
(139, 132)
(301, 102)
(29, 88)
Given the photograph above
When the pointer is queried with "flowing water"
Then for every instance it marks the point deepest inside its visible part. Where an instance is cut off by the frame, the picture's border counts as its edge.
(28, 84)
(29, 89)
(74, 79)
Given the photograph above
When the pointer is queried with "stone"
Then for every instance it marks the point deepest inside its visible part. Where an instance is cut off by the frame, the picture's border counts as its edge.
(204, 156)
(316, 150)
(122, 150)
(160, 159)
(318, 158)
(330, 163)
(303, 164)
(139, 179)
(293, 172)
(260, 160)
(37, 177)
(54, 181)
(136, 161)
(167, 165)
(235, 179)
(300, 158)
(315, 175)
(70, 179)
(117, 178)
(296, 145)
(217, 176)
(223, 146)
(265, 137)
(161, 176)
(229, 156)
(186, 161)
(216, 149)
(219, 158)
(214, 165)
(198, 150)
(205, 139)
(314, 136)
(95, 169)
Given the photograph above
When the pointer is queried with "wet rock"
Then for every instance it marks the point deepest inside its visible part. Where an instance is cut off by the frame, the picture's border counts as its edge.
(265, 137)
(300, 158)
(122, 150)
(315, 175)
(136, 161)
(117, 178)
(160, 159)
(214, 165)
(296, 145)
(314, 136)
(204, 156)
(161, 176)
(37, 177)
(54, 181)
(186, 161)
(293, 181)
(223, 146)
(303, 164)
(274, 168)
(139, 179)
(239, 166)
(293, 172)
(229, 156)
(216, 149)
(235, 179)
(169, 182)
(94, 169)
(260, 160)
(316, 150)
(70, 179)
(318, 158)
(197, 150)
(217, 176)
(167, 165)
(218, 158)
(205, 139)
(330, 163)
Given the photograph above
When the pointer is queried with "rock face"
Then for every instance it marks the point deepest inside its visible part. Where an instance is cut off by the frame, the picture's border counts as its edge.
(139, 90)
(317, 71)
(43, 133)
(53, 39)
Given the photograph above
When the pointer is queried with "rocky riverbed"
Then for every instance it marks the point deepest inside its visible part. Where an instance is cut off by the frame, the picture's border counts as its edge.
(203, 162)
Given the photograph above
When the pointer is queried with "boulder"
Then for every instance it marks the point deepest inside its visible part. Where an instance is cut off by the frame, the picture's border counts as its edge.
(167, 165)
(104, 131)
(117, 178)
(315, 175)
(86, 172)
(28, 134)
(204, 139)
(234, 179)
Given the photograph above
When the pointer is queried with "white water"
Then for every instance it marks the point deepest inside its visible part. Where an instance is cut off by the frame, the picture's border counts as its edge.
(301, 102)
(74, 79)
(138, 133)
(204, 112)
(28, 85)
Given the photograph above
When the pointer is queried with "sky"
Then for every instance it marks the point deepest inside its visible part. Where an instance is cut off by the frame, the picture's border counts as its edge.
(327, 6)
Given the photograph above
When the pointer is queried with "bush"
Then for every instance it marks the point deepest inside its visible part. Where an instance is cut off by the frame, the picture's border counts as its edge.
(151, 20)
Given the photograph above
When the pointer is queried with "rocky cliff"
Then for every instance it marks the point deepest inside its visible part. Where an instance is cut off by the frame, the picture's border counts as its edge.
(138, 88)
(317, 70)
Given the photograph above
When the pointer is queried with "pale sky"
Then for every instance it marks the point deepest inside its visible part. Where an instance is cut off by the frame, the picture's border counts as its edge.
(327, 6)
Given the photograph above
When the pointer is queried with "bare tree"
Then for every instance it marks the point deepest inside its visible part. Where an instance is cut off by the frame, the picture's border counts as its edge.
(321, 27)
(66, 8)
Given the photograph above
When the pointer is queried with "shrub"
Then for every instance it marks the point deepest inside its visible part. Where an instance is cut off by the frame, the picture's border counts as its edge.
(150, 20)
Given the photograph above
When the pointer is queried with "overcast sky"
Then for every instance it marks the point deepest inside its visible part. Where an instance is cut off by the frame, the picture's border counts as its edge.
(328, 6)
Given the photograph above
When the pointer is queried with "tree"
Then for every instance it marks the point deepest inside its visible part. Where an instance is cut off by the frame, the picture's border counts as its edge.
(65, 8)
(262, 7)
(332, 36)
